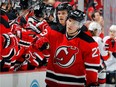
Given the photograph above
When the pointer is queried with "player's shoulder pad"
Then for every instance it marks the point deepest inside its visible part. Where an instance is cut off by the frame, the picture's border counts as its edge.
(59, 28)
(4, 22)
(85, 37)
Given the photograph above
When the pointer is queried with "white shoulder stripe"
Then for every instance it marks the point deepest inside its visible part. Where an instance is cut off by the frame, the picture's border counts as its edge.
(93, 70)
(6, 63)
(8, 55)
(38, 56)
(90, 64)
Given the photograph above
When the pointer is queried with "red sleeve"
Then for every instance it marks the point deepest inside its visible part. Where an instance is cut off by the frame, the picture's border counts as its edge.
(30, 14)
(92, 63)
(1, 47)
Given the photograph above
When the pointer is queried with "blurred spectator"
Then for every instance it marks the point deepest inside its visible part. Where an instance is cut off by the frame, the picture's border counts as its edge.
(110, 45)
(95, 30)
(49, 12)
(11, 13)
(90, 11)
(96, 16)
(111, 41)
(54, 3)
(3, 10)
(24, 4)
(99, 5)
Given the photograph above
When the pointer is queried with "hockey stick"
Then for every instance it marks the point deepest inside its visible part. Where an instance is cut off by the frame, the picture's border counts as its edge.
(19, 66)
(29, 9)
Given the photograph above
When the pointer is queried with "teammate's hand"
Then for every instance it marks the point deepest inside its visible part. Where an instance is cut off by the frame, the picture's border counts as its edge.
(42, 43)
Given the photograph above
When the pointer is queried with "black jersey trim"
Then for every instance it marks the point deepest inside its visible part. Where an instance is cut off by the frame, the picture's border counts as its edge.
(4, 22)
(24, 43)
(59, 28)
(92, 67)
(64, 78)
(85, 37)
(10, 55)
(7, 40)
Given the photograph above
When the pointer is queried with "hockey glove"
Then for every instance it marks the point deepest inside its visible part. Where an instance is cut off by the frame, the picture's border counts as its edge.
(42, 43)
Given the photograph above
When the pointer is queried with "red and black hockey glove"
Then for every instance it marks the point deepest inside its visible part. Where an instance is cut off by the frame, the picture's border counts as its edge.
(42, 43)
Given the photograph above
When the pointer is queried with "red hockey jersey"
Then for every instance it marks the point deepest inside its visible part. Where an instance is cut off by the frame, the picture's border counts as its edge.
(9, 49)
(73, 61)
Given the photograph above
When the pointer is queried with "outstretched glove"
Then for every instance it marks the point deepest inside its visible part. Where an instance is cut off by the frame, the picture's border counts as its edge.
(42, 43)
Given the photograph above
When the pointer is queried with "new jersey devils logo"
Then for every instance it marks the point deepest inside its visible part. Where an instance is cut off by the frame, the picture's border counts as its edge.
(65, 56)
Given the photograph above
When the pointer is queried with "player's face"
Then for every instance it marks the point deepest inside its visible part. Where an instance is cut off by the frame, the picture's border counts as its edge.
(97, 32)
(72, 26)
(62, 16)
(97, 16)
(112, 33)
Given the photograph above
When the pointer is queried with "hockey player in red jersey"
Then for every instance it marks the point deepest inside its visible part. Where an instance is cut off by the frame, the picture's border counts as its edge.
(25, 38)
(62, 11)
(4, 26)
(74, 56)
(34, 55)
(9, 48)
(4, 21)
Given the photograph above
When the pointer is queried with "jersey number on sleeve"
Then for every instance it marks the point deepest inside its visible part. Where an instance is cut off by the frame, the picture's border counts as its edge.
(95, 52)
